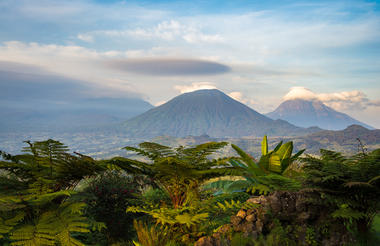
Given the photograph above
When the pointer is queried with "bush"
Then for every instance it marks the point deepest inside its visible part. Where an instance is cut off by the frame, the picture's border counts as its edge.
(109, 196)
(156, 196)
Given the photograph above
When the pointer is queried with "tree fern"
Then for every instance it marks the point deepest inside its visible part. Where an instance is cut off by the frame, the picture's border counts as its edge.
(349, 184)
(35, 205)
(179, 171)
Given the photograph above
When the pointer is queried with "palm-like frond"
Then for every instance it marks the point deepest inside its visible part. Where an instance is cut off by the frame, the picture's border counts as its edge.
(267, 174)
(179, 171)
(349, 184)
(40, 182)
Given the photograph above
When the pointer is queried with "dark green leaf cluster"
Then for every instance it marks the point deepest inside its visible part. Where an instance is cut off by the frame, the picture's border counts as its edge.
(35, 192)
(351, 185)
(178, 171)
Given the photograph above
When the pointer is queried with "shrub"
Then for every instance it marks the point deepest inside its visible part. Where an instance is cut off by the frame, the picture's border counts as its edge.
(109, 196)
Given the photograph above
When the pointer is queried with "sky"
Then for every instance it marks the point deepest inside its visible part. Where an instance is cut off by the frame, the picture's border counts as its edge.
(258, 52)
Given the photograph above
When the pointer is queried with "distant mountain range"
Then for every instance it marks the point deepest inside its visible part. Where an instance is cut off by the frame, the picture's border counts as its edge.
(35, 102)
(306, 113)
(208, 112)
(348, 140)
(74, 115)
(345, 141)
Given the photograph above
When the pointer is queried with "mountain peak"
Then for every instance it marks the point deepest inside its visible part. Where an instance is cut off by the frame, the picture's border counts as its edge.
(307, 113)
(208, 111)
(205, 91)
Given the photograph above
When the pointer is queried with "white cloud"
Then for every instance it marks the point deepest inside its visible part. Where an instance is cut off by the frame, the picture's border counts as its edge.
(75, 62)
(197, 37)
(86, 38)
(194, 87)
(299, 92)
(345, 100)
(172, 30)
(159, 103)
(238, 96)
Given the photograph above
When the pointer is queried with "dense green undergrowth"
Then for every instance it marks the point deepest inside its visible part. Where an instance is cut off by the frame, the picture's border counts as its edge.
(181, 196)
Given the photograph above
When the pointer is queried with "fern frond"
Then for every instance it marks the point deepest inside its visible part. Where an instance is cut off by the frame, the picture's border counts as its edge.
(30, 235)
(345, 212)
(259, 188)
(150, 236)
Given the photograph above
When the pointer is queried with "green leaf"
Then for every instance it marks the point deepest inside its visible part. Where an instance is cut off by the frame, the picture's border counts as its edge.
(275, 163)
(285, 151)
(278, 146)
(264, 146)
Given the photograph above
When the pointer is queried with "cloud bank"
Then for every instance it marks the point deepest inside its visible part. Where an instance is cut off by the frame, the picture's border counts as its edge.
(195, 86)
(239, 96)
(169, 66)
(345, 100)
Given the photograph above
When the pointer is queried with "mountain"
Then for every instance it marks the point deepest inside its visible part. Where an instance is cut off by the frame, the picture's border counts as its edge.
(306, 113)
(345, 141)
(348, 135)
(207, 112)
(35, 101)
(349, 141)
(74, 115)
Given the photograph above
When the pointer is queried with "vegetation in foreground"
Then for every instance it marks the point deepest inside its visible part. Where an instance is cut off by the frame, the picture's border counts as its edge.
(183, 196)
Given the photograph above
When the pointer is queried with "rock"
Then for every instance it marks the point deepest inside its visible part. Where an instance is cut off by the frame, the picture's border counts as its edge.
(259, 225)
(204, 241)
(251, 218)
(242, 213)
(248, 227)
(275, 204)
(285, 208)
(225, 229)
(302, 217)
(235, 220)
(258, 200)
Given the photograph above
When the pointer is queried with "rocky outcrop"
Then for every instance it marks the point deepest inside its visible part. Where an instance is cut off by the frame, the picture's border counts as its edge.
(287, 209)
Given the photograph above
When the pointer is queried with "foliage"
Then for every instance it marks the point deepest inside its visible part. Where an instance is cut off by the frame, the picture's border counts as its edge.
(155, 196)
(265, 175)
(188, 223)
(350, 185)
(164, 197)
(177, 171)
(275, 161)
(37, 197)
(238, 239)
(150, 235)
(279, 235)
(108, 196)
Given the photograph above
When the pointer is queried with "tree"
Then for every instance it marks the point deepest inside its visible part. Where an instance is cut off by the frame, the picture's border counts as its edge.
(35, 188)
(178, 171)
(350, 185)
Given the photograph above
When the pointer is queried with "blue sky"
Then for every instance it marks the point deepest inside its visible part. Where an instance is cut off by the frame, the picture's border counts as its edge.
(256, 51)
